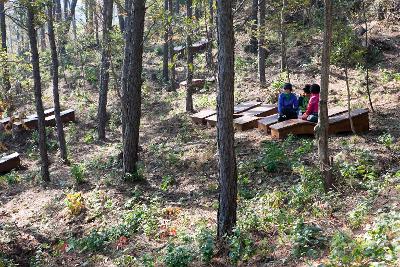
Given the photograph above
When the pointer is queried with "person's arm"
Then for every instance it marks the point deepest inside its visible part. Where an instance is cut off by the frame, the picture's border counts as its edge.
(295, 102)
(311, 104)
(280, 104)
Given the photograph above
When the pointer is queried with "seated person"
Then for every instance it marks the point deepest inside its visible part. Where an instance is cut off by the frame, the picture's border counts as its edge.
(287, 104)
(305, 98)
(311, 113)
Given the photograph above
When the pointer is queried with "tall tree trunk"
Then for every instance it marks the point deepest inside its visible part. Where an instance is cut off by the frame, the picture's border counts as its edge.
(323, 124)
(96, 24)
(165, 48)
(65, 10)
(189, 61)
(67, 24)
(56, 97)
(261, 49)
(43, 45)
(104, 70)
(171, 46)
(366, 57)
(132, 83)
(6, 74)
(225, 136)
(121, 19)
(283, 37)
(254, 21)
(38, 93)
(210, 29)
(58, 11)
(89, 16)
(346, 73)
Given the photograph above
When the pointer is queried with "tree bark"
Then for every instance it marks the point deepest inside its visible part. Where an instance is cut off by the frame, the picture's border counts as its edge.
(366, 58)
(189, 61)
(43, 45)
(132, 83)
(56, 97)
(346, 73)
(121, 19)
(165, 46)
(104, 70)
(6, 73)
(261, 49)
(38, 93)
(171, 47)
(323, 124)
(283, 38)
(58, 12)
(225, 136)
(254, 22)
(210, 29)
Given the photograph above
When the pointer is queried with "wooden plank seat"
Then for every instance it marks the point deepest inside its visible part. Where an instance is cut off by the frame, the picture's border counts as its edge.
(47, 112)
(246, 122)
(66, 116)
(295, 126)
(199, 46)
(341, 123)
(212, 120)
(9, 162)
(242, 107)
(261, 111)
(196, 83)
(30, 121)
(200, 117)
(266, 122)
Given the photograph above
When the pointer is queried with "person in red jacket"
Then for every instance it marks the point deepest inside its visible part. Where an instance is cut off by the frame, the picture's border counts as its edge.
(311, 113)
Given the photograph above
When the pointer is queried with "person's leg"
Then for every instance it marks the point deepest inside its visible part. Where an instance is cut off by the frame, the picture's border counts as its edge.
(291, 114)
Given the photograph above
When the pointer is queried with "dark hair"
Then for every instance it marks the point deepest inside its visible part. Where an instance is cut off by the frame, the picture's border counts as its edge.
(315, 89)
(307, 88)
(287, 86)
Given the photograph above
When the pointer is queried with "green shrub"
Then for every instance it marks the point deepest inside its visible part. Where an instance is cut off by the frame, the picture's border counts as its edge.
(307, 239)
(206, 245)
(167, 181)
(78, 171)
(386, 139)
(178, 256)
(241, 246)
(272, 156)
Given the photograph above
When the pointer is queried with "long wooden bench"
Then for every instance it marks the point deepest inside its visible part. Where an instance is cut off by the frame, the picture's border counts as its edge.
(341, 123)
(200, 117)
(66, 116)
(9, 162)
(266, 123)
(245, 106)
(246, 122)
(212, 120)
(199, 46)
(31, 123)
(262, 110)
(29, 119)
(295, 126)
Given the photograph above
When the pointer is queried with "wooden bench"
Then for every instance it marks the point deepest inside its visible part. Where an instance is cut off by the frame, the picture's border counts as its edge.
(295, 126)
(265, 123)
(261, 111)
(199, 46)
(9, 162)
(200, 117)
(341, 123)
(246, 122)
(29, 119)
(212, 120)
(66, 116)
(242, 107)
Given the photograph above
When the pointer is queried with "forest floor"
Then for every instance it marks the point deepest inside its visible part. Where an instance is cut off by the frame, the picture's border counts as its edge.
(172, 211)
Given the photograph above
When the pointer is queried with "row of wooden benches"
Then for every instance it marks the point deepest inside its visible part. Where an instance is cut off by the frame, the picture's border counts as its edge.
(253, 114)
(12, 161)
(31, 121)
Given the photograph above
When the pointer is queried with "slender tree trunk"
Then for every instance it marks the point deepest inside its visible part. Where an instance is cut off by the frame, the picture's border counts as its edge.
(57, 109)
(68, 20)
(189, 61)
(283, 37)
(171, 47)
(58, 12)
(323, 124)
(165, 48)
(43, 45)
(89, 17)
(132, 83)
(38, 93)
(6, 74)
(346, 73)
(104, 70)
(225, 136)
(261, 49)
(210, 29)
(74, 27)
(96, 24)
(65, 10)
(366, 58)
(121, 19)
(254, 22)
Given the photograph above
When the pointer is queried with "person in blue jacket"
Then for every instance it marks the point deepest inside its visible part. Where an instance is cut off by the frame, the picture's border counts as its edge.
(288, 104)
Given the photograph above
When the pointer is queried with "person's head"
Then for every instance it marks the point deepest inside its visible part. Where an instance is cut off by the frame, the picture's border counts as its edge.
(307, 89)
(315, 89)
(287, 88)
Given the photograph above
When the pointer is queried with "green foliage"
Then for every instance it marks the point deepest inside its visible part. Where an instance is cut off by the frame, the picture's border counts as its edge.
(11, 178)
(272, 156)
(378, 246)
(78, 171)
(206, 244)
(178, 256)
(167, 182)
(388, 76)
(241, 246)
(357, 216)
(90, 136)
(386, 139)
(307, 239)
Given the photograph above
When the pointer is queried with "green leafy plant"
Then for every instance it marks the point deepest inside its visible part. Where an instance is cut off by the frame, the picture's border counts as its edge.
(272, 156)
(167, 181)
(241, 246)
(78, 171)
(307, 239)
(178, 255)
(206, 244)
(386, 139)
